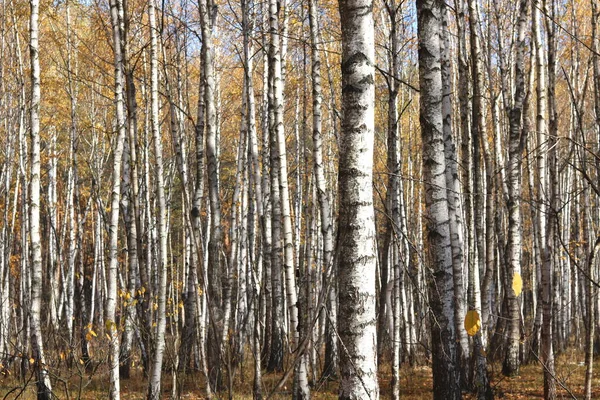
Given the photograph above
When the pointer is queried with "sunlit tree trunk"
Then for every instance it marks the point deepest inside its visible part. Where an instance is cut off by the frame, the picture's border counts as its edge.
(44, 387)
(590, 295)
(356, 242)
(6, 232)
(275, 68)
(454, 202)
(479, 139)
(53, 249)
(446, 382)
(516, 144)
(331, 341)
(266, 298)
(257, 261)
(550, 265)
(113, 256)
(393, 256)
(591, 291)
(201, 235)
(330, 368)
(154, 382)
(277, 301)
(216, 273)
(130, 208)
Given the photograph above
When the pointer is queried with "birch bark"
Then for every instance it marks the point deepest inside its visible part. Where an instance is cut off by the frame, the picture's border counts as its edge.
(516, 144)
(330, 368)
(356, 242)
(44, 386)
(215, 269)
(111, 295)
(446, 379)
(154, 382)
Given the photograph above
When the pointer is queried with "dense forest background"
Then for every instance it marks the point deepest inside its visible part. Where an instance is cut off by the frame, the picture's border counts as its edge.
(204, 194)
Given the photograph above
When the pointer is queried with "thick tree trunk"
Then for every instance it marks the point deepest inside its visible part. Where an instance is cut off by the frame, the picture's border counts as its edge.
(446, 377)
(454, 204)
(356, 242)
(517, 140)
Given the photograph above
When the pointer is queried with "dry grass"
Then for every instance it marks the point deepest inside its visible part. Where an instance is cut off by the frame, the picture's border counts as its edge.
(416, 383)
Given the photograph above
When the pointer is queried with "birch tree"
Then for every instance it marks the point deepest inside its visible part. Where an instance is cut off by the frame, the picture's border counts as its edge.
(441, 287)
(330, 369)
(44, 386)
(154, 383)
(113, 261)
(216, 273)
(356, 242)
(516, 144)
(479, 139)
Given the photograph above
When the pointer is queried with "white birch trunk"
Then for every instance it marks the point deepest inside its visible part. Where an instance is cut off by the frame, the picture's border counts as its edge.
(154, 382)
(454, 201)
(216, 273)
(356, 242)
(330, 368)
(480, 380)
(44, 387)
(111, 295)
(517, 140)
(278, 103)
(446, 378)
(53, 261)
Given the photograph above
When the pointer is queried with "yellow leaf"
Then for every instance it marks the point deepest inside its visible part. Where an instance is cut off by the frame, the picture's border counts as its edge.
(93, 333)
(31, 360)
(81, 361)
(472, 322)
(517, 284)
(110, 326)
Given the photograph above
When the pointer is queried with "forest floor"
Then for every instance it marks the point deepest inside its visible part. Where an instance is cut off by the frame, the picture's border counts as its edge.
(416, 383)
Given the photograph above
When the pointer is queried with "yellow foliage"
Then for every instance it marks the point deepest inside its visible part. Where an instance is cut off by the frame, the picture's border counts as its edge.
(472, 322)
(110, 326)
(517, 284)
